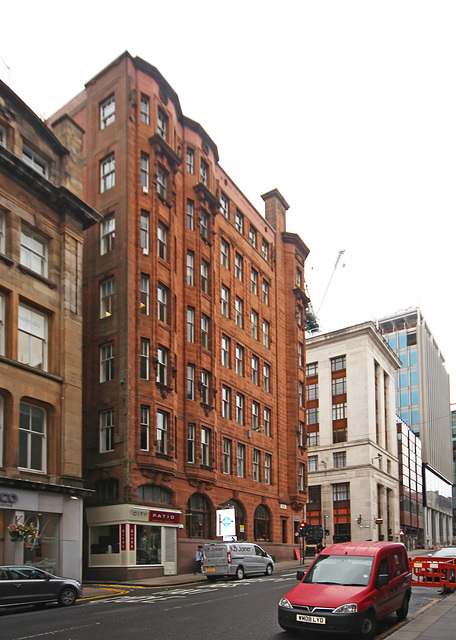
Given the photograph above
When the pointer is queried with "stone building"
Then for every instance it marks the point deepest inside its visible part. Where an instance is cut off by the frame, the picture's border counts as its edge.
(42, 219)
(194, 347)
(351, 436)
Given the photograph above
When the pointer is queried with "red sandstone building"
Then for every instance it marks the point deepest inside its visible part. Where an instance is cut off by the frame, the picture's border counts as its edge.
(42, 220)
(194, 345)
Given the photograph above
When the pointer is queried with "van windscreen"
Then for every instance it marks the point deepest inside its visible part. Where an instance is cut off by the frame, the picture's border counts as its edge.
(350, 571)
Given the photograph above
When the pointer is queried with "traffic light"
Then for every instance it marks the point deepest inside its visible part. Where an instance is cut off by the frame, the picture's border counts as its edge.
(303, 526)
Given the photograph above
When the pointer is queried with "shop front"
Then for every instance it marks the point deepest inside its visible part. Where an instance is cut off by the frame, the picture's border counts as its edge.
(56, 522)
(126, 541)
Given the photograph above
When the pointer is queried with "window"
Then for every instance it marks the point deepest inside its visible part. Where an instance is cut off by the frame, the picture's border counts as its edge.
(107, 173)
(312, 415)
(338, 364)
(205, 331)
(191, 435)
(312, 369)
(198, 517)
(339, 411)
(238, 263)
(254, 321)
(205, 446)
(266, 334)
(298, 277)
(144, 232)
(32, 346)
(32, 437)
(265, 250)
(225, 301)
(190, 215)
(204, 172)
(224, 205)
(144, 294)
(252, 236)
(239, 312)
(239, 408)
(226, 351)
(190, 324)
(300, 354)
(266, 377)
(107, 234)
(312, 391)
(162, 432)
(144, 172)
(255, 366)
(255, 415)
(34, 252)
(340, 459)
(301, 393)
(162, 294)
(341, 492)
(261, 523)
(144, 359)
(254, 281)
(267, 468)
(162, 183)
(2, 352)
(107, 291)
(225, 254)
(267, 421)
(265, 292)
(256, 465)
(301, 476)
(107, 112)
(144, 109)
(162, 240)
(312, 462)
(239, 221)
(240, 460)
(205, 378)
(190, 382)
(190, 160)
(162, 124)
(162, 365)
(35, 161)
(107, 362)
(301, 434)
(226, 402)
(204, 225)
(106, 430)
(204, 276)
(190, 268)
(226, 456)
(339, 386)
(144, 444)
(313, 439)
(2, 136)
(239, 360)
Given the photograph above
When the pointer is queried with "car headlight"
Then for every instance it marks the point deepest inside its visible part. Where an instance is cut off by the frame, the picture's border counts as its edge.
(347, 608)
(283, 602)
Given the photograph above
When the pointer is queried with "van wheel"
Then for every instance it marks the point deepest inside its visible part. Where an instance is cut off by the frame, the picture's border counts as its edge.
(369, 628)
(239, 573)
(402, 612)
(268, 571)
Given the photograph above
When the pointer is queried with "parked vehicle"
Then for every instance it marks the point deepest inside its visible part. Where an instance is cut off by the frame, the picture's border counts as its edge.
(236, 559)
(29, 585)
(348, 588)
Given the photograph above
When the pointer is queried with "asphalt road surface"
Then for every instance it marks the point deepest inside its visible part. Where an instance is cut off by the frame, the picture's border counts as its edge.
(220, 611)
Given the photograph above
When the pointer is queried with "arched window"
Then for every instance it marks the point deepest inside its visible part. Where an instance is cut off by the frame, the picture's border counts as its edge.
(154, 493)
(198, 517)
(108, 490)
(262, 524)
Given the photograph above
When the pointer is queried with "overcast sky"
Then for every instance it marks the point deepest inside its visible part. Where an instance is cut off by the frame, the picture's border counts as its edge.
(347, 107)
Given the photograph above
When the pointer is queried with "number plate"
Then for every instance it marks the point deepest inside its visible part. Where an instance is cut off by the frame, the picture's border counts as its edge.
(209, 569)
(312, 619)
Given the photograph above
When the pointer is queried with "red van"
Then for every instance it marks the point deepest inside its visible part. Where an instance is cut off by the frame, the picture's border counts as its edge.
(348, 588)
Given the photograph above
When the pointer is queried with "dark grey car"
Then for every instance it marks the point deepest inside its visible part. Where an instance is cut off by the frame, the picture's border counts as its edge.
(29, 585)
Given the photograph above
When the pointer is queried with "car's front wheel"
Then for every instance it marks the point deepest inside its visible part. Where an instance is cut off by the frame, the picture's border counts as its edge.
(67, 597)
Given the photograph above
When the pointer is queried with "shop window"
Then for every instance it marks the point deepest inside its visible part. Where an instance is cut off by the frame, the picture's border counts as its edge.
(43, 551)
(198, 517)
(104, 539)
(262, 523)
(148, 544)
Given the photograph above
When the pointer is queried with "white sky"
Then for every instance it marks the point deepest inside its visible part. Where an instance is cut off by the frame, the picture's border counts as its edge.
(347, 107)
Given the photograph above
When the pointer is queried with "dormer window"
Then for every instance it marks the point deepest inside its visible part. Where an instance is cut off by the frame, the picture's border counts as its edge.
(35, 161)
(162, 124)
(204, 172)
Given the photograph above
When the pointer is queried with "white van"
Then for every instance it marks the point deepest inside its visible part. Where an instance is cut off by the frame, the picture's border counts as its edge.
(236, 559)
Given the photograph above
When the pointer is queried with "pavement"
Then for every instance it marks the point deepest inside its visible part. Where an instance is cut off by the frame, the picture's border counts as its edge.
(436, 622)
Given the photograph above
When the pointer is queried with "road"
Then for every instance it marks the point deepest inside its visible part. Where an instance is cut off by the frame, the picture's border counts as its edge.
(223, 610)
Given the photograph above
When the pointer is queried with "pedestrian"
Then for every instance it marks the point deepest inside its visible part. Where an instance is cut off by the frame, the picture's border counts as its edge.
(198, 558)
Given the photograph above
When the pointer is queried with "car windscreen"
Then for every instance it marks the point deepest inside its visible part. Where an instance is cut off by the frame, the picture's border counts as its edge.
(352, 571)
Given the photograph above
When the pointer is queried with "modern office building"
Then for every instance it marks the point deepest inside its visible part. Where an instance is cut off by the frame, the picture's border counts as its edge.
(411, 486)
(353, 466)
(453, 437)
(194, 347)
(423, 402)
(42, 219)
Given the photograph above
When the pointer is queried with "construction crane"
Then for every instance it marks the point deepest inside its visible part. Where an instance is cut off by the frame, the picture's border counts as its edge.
(312, 325)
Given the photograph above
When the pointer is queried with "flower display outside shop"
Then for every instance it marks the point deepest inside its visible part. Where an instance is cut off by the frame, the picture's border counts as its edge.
(21, 532)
